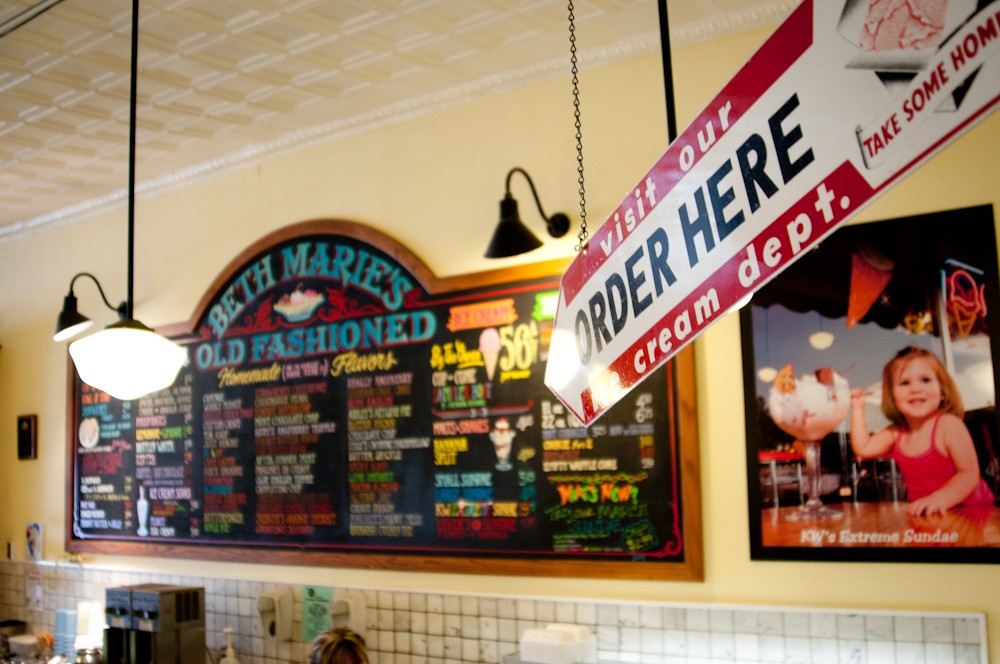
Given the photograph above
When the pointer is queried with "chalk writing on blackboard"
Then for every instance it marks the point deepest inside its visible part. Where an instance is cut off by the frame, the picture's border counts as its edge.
(332, 402)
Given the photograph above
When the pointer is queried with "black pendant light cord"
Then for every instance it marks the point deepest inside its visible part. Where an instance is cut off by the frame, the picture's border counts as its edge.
(668, 72)
(131, 155)
(583, 235)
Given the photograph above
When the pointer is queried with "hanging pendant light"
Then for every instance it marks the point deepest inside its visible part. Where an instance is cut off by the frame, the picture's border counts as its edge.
(126, 359)
(767, 373)
(821, 339)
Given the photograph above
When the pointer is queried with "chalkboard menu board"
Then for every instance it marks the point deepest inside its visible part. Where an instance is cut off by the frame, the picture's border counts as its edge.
(341, 405)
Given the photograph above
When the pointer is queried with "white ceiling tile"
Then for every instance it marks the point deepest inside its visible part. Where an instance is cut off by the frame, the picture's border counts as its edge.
(221, 81)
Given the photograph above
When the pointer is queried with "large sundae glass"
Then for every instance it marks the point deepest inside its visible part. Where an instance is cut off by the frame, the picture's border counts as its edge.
(810, 407)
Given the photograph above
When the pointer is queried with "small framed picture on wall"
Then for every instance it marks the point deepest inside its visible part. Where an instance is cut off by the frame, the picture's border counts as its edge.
(27, 436)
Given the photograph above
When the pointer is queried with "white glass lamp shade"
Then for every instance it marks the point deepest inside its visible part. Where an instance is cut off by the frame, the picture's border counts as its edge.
(821, 340)
(767, 374)
(127, 360)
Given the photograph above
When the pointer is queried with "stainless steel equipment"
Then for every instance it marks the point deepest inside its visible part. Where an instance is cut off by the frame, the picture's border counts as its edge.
(89, 656)
(154, 624)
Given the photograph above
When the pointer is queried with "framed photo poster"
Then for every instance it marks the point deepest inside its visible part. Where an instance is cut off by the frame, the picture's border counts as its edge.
(843, 467)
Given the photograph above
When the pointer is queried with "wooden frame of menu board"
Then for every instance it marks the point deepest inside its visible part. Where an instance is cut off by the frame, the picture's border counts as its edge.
(342, 406)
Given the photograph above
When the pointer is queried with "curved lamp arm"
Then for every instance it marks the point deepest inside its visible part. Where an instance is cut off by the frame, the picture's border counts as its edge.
(120, 309)
(558, 224)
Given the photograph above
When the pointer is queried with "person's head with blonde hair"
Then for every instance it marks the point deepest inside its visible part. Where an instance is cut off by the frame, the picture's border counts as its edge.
(338, 646)
(951, 397)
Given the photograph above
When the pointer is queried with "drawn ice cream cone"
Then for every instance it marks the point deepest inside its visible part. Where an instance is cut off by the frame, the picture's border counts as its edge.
(489, 347)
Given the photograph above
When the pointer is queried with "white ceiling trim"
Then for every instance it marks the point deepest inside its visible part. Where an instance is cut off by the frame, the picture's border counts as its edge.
(763, 13)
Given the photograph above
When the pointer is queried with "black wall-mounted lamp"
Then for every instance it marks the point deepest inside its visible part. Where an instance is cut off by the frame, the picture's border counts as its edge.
(511, 236)
(126, 359)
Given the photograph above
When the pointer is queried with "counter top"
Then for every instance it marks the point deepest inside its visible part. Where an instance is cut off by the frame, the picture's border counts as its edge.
(883, 524)
(513, 659)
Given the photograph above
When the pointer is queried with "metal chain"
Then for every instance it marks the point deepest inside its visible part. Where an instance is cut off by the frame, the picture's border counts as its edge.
(583, 235)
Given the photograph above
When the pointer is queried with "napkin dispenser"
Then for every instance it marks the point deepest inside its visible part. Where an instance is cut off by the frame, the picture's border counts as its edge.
(348, 610)
(559, 643)
(275, 608)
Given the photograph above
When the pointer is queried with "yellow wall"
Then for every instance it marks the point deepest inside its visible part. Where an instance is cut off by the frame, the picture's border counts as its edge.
(434, 182)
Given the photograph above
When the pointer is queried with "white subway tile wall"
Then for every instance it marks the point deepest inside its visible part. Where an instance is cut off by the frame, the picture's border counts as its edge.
(405, 627)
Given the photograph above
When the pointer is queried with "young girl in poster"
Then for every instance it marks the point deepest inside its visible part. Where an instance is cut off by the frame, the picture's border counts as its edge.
(927, 438)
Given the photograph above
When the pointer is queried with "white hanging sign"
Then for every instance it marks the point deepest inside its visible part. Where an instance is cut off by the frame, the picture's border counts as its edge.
(835, 108)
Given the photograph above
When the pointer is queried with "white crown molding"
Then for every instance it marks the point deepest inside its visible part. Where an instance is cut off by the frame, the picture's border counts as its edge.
(761, 14)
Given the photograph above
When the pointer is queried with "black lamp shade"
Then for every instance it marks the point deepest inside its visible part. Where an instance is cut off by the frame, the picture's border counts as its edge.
(511, 236)
(70, 322)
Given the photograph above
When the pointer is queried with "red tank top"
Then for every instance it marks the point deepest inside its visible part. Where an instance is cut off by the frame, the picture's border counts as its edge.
(927, 472)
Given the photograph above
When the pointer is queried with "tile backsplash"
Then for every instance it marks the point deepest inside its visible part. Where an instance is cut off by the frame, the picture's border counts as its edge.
(406, 627)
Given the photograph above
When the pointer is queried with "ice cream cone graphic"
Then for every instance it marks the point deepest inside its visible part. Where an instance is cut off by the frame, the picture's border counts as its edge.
(489, 347)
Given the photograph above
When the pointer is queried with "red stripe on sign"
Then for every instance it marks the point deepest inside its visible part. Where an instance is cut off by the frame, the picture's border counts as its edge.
(767, 65)
(792, 39)
(785, 240)
(943, 141)
(762, 70)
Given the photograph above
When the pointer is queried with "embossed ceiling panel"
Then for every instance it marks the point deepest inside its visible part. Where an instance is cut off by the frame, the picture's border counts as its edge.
(223, 83)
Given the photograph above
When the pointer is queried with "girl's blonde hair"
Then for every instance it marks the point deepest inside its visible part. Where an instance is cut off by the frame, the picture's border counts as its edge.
(338, 646)
(951, 398)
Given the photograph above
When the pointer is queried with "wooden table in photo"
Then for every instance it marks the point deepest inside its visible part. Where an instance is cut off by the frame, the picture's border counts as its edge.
(882, 524)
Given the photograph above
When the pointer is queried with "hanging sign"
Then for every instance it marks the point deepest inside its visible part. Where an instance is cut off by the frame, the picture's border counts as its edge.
(834, 109)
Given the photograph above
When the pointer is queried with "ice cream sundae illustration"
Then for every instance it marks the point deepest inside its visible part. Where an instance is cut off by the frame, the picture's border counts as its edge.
(809, 408)
(90, 432)
(896, 27)
(503, 441)
(489, 346)
(298, 305)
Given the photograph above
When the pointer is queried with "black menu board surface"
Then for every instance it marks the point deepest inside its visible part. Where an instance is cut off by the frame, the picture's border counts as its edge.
(341, 405)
